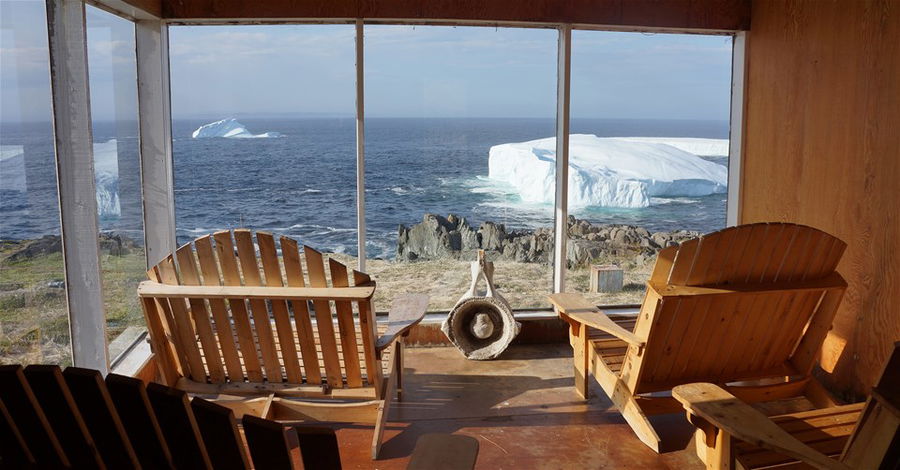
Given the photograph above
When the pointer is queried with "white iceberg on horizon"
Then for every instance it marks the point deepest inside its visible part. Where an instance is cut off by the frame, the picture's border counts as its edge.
(605, 172)
(229, 128)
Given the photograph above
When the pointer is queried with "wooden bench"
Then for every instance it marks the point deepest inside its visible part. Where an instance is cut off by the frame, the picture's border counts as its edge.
(238, 313)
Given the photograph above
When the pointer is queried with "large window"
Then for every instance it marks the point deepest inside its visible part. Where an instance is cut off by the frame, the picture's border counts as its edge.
(441, 105)
(34, 324)
(460, 129)
(117, 171)
(263, 132)
(648, 152)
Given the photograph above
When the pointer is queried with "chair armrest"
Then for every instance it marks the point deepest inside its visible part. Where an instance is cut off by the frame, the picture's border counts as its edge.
(576, 308)
(727, 413)
(159, 290)
(406, 311)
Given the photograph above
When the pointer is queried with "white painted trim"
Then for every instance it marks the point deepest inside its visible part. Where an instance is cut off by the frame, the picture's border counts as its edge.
(360, 148)
(157, 180)
(564, 57)
(75, 177)
(736, 131)
(123, 9)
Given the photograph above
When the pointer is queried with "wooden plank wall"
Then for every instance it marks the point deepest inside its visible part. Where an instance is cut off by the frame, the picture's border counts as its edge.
(693, 14)
(823, 149)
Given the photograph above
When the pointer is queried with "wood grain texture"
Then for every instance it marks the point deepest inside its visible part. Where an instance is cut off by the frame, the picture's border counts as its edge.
(690, 14)
(821, 149)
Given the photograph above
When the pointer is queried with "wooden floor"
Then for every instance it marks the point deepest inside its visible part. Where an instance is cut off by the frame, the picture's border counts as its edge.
(523, 410)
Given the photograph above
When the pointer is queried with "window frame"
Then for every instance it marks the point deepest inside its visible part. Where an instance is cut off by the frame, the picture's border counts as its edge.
(73, 131)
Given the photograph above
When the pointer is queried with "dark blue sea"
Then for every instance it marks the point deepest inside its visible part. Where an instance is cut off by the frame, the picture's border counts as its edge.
(304, 183)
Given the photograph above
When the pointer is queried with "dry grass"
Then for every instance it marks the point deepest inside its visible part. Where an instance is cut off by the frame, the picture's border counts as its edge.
(524, 285)
(34, 326)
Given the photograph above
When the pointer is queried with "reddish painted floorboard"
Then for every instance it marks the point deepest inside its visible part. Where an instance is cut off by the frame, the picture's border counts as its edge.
(523, 410)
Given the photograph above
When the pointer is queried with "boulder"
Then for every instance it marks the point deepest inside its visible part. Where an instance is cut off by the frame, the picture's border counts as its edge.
(492, 236)
(438, 237)
(41, 247)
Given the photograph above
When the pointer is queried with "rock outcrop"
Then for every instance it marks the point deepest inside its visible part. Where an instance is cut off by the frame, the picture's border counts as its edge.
(438, 237)
(114, 244)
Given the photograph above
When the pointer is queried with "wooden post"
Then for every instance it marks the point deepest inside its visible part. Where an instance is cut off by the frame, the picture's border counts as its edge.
(75, 175)
(736, 129)
(360, 150)
(152, 44)
(564, 57)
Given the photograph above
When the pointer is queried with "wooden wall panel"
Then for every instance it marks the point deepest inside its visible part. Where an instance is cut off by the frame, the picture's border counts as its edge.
(822, 148)
(690, 14)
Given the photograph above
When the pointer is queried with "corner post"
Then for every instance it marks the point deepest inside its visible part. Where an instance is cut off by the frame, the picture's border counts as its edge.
(73, 141)
(736, 128)
(157, 180)
(360, 149)
(564, 56)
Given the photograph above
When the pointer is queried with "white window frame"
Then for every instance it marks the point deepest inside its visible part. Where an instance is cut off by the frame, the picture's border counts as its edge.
(74, 152)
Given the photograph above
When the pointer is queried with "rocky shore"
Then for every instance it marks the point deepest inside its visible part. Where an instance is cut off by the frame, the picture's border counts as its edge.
(453, 237)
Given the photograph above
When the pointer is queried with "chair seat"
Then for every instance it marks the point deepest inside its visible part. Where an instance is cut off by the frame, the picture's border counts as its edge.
(385, 357)
(825, 430)
(609, 348)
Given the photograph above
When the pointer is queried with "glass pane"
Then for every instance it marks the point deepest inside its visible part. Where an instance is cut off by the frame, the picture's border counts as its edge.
(441, 103)
(264, 134)
(117, 172)
(34, 325)
(648, 153)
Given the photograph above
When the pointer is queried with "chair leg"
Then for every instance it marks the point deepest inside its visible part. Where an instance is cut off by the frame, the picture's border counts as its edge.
(624, 401)
(398, 364)
(384, 409)
(581, 356)
(638, 421)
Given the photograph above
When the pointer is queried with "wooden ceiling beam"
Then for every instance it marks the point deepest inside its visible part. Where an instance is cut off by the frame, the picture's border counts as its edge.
(715, 15)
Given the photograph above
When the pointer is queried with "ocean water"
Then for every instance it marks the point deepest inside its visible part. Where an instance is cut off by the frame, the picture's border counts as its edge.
(304, 183)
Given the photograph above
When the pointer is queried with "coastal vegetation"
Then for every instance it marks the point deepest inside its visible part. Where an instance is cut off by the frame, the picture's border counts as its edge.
(432, 257)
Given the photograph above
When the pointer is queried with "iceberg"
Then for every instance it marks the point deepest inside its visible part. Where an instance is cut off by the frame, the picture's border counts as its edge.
(229, 128)
(106, 178)
(12, 168)
(605, 172)
(697, 146)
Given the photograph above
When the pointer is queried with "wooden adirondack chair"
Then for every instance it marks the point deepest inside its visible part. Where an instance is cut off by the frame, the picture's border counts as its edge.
(861, 436)
(76, 419)
(752, 302)
(224, 321)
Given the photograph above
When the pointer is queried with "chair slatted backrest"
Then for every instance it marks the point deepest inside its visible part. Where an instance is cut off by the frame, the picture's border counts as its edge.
(50, 389)
(29, 422)
(219, 429)
(215, 340)
(139, 420)
(101, 417)
(176, 419)
(45, 414)
(745, 302)
(272, 444)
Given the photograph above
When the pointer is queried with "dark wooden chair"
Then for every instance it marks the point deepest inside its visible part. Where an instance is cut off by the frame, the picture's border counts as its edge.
(75, 419)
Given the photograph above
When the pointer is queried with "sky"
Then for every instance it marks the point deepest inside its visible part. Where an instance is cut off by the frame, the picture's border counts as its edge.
(410, 71)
